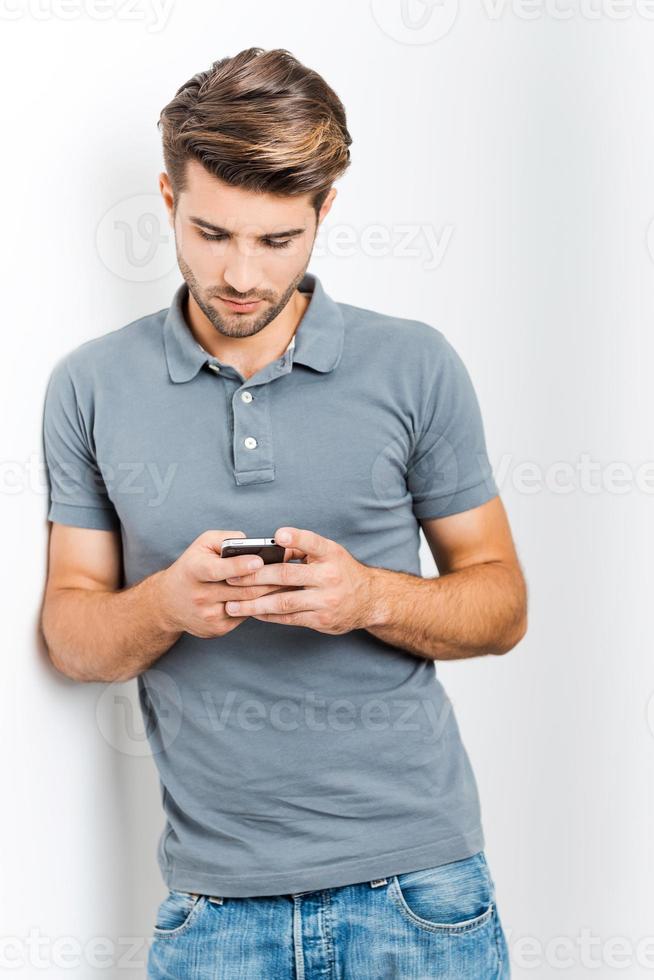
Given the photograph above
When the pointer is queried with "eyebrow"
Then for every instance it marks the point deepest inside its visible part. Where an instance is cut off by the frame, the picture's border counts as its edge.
(291, 233)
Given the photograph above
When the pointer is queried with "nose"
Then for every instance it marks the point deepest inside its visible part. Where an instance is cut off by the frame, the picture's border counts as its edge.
(242, 276)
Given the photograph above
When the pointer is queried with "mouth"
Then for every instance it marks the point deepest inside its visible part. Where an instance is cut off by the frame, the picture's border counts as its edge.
(240, 307)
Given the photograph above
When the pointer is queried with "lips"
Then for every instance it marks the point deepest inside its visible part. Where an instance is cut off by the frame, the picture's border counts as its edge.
(238, 306)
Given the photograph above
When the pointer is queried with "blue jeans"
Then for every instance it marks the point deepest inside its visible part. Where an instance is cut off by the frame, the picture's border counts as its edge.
(438, 922)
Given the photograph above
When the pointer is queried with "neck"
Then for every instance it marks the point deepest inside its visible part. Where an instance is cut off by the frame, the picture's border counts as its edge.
(248, 354)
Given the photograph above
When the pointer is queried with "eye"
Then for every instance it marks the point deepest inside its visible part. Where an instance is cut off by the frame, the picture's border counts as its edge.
(212, 238)
(267, 241)
(274, 244)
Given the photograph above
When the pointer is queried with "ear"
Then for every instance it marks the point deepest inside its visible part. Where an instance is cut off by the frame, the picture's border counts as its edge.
(327, 203)
(166, 191)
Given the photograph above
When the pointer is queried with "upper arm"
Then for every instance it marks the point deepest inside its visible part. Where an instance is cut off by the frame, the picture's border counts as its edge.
(448, 470)
(85, 549)
(78, 495)
(481, 534)
(449, 475)
(84, 558)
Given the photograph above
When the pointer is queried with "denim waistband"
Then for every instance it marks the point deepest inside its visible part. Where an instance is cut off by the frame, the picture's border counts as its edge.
(374, 883)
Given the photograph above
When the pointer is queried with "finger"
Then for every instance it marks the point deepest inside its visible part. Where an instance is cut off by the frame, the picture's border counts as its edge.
(292, 556)
(221, 568)
(277, 573)
(278, 603)
(237, 593)
(300, 539)
(290, 619)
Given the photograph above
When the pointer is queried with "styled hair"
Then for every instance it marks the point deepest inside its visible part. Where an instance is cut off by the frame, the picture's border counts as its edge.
(259, 120)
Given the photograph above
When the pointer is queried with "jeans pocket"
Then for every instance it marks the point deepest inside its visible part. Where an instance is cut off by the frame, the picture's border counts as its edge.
(454, 897)
(176, 912)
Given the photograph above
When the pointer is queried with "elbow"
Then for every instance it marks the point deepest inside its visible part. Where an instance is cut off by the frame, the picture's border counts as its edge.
(517, 617)
(71, 665)
(513, 634)
(62, 666)
(60, 663)
(79, 673)
(53, 656)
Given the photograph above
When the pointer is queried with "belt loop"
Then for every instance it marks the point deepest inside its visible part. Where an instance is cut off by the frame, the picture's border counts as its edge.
(376, 882)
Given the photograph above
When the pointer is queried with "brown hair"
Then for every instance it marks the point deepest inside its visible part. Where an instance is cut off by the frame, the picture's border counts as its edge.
(259, 120)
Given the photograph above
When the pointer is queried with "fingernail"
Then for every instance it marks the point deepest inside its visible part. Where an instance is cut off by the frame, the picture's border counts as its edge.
(255, 563)
(232, 607)
(283, 537)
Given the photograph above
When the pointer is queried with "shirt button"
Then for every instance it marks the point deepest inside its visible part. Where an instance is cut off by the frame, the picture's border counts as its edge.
(250, 442)
(246, 396)
(215, 367)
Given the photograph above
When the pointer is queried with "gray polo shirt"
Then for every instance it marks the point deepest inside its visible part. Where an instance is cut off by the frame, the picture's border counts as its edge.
(289, 760)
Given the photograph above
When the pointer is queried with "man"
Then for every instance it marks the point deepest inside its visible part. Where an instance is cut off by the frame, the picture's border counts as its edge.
(322, 818)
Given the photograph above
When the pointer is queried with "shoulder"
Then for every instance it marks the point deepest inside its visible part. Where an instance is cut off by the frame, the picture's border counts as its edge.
(398, 340)
(118, 350)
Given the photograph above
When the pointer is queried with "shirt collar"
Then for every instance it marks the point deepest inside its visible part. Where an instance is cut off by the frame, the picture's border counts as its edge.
(317, 342)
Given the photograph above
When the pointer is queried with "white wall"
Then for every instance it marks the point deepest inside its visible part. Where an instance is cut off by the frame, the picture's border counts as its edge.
(520, 139)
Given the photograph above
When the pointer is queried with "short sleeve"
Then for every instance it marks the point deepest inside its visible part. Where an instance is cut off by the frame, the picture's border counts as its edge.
(449, 470)
(77, 492)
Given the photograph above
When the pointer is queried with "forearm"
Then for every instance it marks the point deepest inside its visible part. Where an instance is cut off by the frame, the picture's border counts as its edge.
(106, 636)
(473, 611)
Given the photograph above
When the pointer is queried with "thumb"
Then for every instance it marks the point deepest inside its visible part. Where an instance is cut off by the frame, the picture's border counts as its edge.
(212, 540)
(291, 553)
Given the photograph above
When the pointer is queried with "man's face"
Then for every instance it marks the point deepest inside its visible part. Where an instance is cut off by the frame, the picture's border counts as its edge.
(235, 244)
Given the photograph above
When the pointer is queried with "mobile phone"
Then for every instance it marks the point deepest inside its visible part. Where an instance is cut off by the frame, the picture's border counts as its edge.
(264, 547)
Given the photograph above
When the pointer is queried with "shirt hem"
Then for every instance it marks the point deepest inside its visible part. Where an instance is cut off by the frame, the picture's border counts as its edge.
(444, 505)
(79, 515)
(336, 875)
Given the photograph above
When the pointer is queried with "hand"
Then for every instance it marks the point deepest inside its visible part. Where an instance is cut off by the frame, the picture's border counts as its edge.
(333, 592)
(192, 591)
